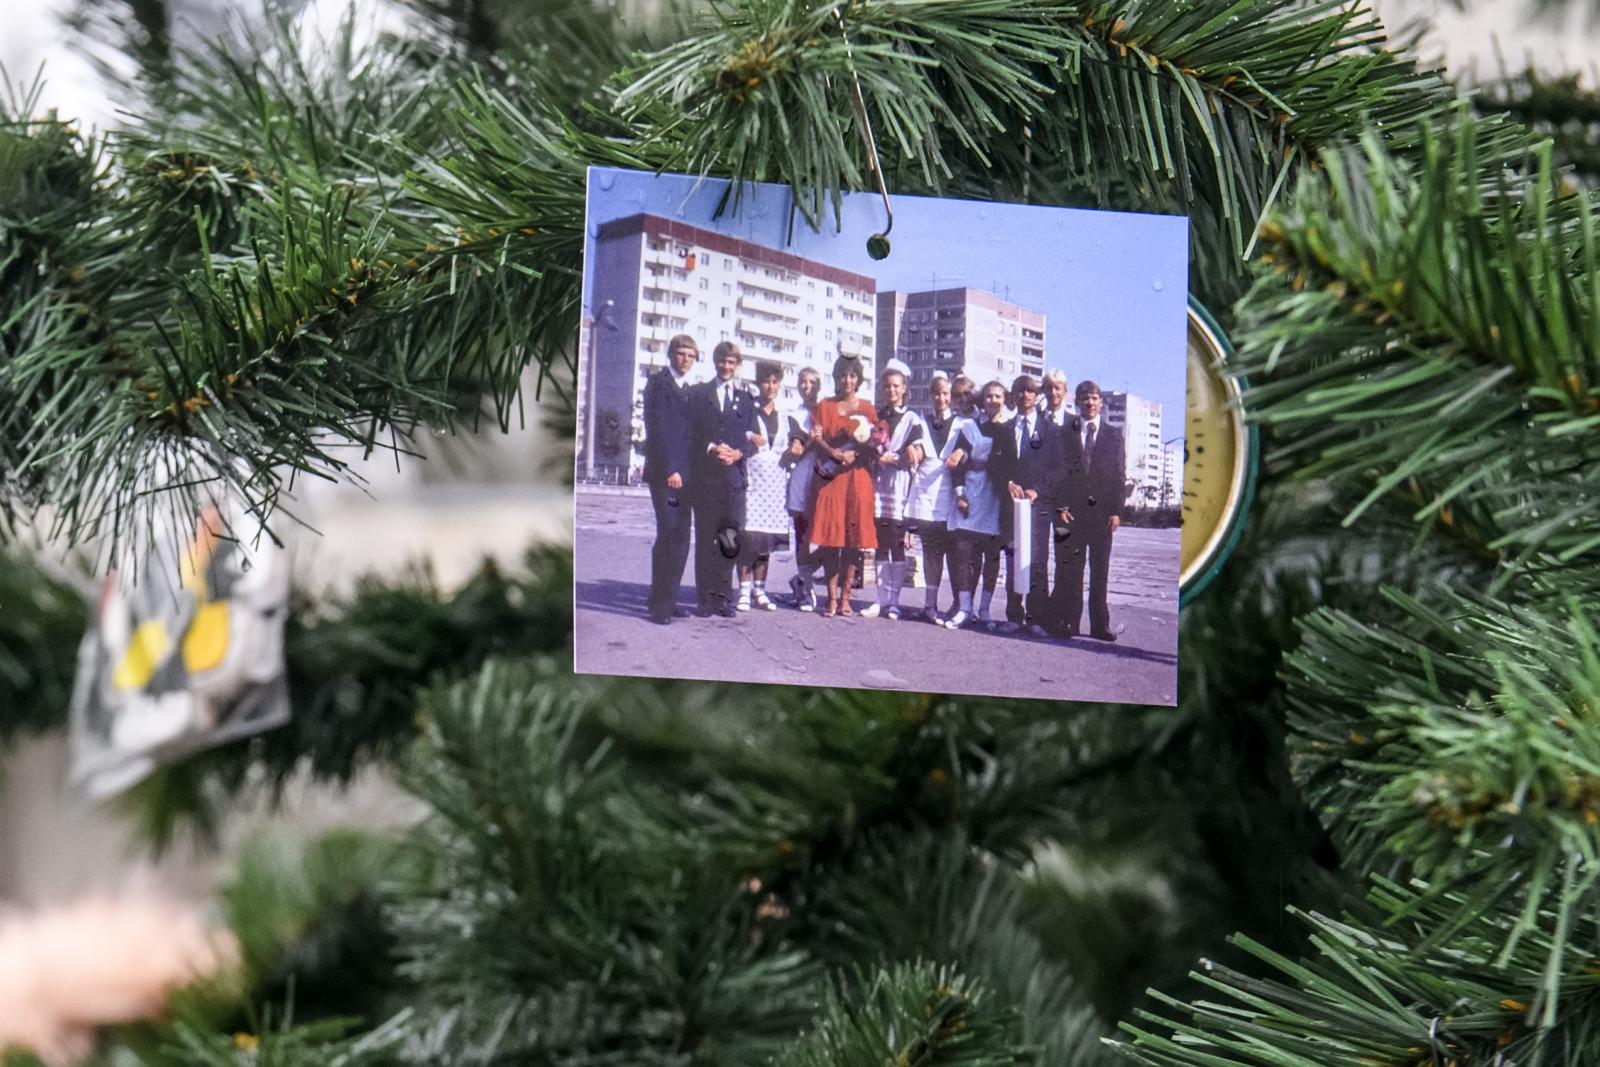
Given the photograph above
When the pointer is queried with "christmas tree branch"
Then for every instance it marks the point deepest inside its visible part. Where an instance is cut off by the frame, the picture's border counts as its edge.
(1214, 103)
(1433, 327)
(1460, 741)
(917, 1015)
(1381, 989)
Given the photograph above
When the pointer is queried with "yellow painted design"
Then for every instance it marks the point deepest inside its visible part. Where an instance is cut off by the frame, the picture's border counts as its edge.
(206, 641)
(146, 649)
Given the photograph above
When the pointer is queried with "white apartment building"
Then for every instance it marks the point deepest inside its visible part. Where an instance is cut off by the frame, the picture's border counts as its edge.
(1140, 420)
(1172, 475)
(656, 277)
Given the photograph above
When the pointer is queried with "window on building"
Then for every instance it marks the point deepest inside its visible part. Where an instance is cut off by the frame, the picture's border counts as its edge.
(658, 244)
(827, 313)
(724, 312)
(808, 331)
(827, 335)
(703, 305)
(705, 283)
(829, 293)
(727, 289)
(727, 264)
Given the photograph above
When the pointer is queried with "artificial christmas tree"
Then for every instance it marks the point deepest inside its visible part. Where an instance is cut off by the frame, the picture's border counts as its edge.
(1387, 716)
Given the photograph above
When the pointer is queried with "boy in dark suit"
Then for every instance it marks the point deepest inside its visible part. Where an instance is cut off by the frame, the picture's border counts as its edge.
(723, 427)
(668, 459)
(1091, 488)
(1025, 456)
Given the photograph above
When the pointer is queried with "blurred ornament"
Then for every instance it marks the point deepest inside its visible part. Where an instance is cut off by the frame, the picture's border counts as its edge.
(187, 657)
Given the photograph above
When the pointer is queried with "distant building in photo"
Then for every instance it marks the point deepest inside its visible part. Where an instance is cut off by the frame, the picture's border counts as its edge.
(1172, 475)
(1140, 421)
(959, 330)
(656, 277)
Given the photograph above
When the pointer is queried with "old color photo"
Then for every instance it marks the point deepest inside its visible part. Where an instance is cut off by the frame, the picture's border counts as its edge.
(954, 470)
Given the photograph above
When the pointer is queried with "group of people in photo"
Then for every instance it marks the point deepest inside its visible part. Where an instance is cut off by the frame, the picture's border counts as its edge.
(842, 476)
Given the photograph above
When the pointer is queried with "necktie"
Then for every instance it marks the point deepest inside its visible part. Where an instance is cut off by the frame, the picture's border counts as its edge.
(1088, 445)
(727, 396)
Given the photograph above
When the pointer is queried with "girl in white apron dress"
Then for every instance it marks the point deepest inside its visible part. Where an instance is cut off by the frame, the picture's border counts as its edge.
(766, 510)
(975, 527)
(901, 456)
(932, 496)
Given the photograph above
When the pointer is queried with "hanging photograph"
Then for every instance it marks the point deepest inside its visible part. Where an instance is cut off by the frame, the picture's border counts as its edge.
(954, 469)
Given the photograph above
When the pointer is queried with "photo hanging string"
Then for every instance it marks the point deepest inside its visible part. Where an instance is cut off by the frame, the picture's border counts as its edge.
(878, 243)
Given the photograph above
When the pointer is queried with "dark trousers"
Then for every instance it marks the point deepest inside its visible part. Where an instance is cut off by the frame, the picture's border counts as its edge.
(718, 516)
(1035, 606)
(938, 546)
(1072, 552)
(805, 562)
(671, 551)
(973, 555)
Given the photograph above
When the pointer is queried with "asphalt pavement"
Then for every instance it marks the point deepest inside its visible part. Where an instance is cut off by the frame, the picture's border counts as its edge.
(614, 531)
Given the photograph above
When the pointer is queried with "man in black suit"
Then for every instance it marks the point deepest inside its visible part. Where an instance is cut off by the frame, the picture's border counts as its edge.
(668, 463)
(1090, 490)
(723, 425)
(1025, 454)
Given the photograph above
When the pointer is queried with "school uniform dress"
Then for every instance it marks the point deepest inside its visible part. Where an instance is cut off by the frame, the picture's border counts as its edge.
(892, 482)
(800, 503)
(766, 500)
(983, 502)
(932, 499)
(844, 512)
(976, 533)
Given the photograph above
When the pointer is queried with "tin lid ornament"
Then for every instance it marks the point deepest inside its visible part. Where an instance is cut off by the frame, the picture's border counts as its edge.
(1221, 457)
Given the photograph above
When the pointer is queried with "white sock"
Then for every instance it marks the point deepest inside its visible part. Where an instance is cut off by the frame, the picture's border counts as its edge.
(744, 590)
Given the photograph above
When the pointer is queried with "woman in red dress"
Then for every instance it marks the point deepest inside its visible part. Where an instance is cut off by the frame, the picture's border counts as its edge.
(843, 524)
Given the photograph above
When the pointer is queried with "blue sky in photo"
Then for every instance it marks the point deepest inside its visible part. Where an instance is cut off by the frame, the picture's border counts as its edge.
(1112, 285)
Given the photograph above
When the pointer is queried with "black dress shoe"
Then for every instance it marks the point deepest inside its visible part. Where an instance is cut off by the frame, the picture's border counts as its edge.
(1102, 635)
(728, 611)
(659, 619)
(704, 611)
(681, 613)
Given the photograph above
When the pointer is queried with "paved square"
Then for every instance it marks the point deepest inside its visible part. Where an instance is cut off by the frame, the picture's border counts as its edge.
(615, 529)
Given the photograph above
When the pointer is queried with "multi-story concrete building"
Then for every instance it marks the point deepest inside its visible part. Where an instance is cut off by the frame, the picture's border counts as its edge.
(1172, 475)
(656, 277)
(959, 331)
(1140, 420)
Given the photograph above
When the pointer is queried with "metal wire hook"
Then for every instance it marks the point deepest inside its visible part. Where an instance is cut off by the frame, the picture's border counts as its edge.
(878, 243)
